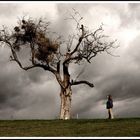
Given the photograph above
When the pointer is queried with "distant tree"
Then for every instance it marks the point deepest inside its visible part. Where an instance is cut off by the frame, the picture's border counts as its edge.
(46, 51)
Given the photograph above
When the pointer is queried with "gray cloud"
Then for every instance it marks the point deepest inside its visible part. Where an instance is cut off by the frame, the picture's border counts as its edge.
(8, 9)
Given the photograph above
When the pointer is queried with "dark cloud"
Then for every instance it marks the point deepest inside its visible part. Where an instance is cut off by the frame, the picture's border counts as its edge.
(22, 93)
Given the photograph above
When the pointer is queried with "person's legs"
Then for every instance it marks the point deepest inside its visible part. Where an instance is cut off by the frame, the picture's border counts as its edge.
(109, 114)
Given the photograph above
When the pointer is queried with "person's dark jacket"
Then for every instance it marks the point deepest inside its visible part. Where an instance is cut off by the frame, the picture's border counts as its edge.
(109, 104)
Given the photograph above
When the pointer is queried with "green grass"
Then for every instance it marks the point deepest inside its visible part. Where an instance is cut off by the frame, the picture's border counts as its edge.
(124, 127)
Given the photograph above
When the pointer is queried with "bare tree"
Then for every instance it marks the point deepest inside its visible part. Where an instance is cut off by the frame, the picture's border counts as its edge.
(45, 52)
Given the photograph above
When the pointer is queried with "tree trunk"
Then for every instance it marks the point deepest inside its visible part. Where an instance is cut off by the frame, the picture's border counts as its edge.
(65, 109)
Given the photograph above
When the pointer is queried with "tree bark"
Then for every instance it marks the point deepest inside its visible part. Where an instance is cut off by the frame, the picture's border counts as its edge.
(66, 97)
(66, 94)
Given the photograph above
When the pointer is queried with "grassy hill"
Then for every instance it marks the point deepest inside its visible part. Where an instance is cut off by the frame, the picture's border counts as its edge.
(124, 127)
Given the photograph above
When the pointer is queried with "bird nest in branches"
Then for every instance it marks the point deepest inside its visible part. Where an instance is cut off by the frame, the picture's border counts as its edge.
(29, 32)
(46, 44)
(46, 48)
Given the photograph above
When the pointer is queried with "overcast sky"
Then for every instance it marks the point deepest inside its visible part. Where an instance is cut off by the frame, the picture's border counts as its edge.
(34, 94)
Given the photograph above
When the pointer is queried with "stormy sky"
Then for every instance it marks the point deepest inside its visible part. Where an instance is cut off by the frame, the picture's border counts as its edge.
(34, 94)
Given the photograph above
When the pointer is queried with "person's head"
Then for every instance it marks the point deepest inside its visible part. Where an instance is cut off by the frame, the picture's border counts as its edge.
(109, 97)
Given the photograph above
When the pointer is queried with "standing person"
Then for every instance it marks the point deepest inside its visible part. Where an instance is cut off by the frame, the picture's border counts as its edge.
(109, 106)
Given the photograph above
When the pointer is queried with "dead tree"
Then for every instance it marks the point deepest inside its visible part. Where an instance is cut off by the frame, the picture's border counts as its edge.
(46, 52)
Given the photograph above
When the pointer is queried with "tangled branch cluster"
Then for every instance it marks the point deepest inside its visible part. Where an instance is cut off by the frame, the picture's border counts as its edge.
(35, 34)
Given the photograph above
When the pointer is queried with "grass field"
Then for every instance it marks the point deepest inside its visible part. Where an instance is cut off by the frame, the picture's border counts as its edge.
(124, 127)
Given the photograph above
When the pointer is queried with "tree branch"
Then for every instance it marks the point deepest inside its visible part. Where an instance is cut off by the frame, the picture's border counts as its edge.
(58, 66)
(81, 82)
(15, 58)
(32, 66)
(79, 41)
(58, 77)
(33, 53)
